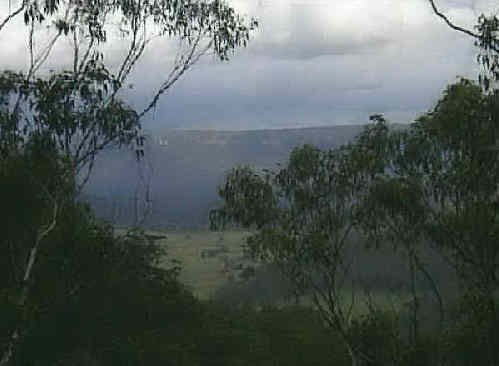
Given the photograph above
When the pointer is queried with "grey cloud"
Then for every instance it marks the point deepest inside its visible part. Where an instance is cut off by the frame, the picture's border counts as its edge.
(303, 49)
(312, 63)
(308, 29)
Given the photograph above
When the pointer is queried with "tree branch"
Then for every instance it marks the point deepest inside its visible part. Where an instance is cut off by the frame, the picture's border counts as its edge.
(182, 65)
(450, 24)
(12, 15)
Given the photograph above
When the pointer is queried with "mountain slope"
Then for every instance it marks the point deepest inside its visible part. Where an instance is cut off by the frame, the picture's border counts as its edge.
(179, 175)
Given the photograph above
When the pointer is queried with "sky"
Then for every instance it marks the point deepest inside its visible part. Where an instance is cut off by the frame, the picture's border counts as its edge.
(310, 63)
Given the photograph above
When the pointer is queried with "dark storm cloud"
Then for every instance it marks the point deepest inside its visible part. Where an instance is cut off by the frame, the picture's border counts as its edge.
(312, 62)
(325, 63)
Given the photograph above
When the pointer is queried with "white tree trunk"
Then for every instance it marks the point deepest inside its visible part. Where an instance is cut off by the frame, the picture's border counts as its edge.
(14, 338)
(353, 356)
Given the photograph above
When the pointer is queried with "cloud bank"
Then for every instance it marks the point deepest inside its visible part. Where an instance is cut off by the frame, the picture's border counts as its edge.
(311, 63)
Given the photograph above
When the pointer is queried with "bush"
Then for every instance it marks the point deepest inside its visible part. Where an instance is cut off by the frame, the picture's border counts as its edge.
(473, 337)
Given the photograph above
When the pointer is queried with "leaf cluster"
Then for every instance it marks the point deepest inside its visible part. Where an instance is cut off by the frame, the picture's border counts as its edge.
(180, 18)
(431, 186)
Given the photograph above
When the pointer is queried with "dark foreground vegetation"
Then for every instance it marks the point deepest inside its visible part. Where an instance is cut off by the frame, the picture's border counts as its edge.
(425, 195)
(99, 299)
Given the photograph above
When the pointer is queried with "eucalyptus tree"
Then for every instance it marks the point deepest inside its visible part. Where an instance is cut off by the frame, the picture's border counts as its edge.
(441, 192)
(434, 183)
(444, 183)
(80, 106)
(303, 218)
(78, 111)
(464, 128)
(94, 298)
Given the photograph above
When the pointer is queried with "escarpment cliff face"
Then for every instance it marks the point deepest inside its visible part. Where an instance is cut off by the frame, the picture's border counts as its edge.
(176, 182)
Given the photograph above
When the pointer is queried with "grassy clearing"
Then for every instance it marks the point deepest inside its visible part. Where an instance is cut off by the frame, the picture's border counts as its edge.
(205, 256)
(208, 259)
(214, 260)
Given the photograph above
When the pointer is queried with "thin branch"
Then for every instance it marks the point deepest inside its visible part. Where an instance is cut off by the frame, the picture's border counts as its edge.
(46, 52)
(12, 15)
(36, 63)
(131, 50)
(415, 299)
(87, 175)
(79, 159)
(450, 24)
(172, 78)
(434, 288)
(31, 49)
(87, 54)
(76, 52)
(137, 52)
(15, 267)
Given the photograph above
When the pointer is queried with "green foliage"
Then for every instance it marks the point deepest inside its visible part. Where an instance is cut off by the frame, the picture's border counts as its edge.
(449, 158)
(473, 337)
(78, 107)
(69, 287)
(98, 294)
(270, 336)
(184, 18)
(29, 180)
(488, 43)
(377, 335)
(98, 299)
(297, 336)
(71, 109)
(265, 286)
(91, 295)
(441, 190)
(433, 185)
(304, 216)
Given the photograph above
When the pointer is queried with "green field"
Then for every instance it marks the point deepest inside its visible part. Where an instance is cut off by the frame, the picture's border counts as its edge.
(212, 263)
(209, 259)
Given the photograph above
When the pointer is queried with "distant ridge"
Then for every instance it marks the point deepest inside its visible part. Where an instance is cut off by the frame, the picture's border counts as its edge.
(184, 167)
(265, 129)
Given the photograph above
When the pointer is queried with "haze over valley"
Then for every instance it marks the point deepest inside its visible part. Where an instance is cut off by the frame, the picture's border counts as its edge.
(182, 168)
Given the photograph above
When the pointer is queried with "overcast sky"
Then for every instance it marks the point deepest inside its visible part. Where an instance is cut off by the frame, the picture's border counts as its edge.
(315, 63)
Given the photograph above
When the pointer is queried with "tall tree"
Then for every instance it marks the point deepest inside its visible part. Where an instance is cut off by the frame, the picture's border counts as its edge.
(78, 112)
(441, 193)
(36, 186)
(97, 297)
(432, 186)
(445, 167)
(80, 106)
(304, 217)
